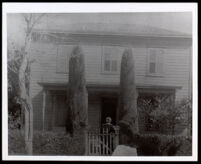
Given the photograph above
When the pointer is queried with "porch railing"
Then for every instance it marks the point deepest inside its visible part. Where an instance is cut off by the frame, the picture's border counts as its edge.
(101, 142)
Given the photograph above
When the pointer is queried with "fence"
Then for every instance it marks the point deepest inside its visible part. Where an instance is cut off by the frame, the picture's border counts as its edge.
(101, 142)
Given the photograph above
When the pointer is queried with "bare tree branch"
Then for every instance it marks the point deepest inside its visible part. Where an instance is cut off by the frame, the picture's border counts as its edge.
(36, 20)
(24, 82)
(25, 16)
(30, 17)
(12, 69)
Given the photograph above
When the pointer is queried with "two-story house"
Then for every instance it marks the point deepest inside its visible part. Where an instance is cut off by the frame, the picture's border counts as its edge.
(162, 66)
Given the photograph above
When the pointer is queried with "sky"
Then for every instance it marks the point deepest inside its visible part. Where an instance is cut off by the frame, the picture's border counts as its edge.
(172, 21)
(180, 21)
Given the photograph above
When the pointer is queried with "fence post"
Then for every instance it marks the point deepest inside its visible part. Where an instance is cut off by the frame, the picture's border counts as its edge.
(102, 142)
(116, 136)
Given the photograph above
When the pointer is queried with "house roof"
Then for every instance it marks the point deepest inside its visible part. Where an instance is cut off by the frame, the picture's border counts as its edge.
(112, 29)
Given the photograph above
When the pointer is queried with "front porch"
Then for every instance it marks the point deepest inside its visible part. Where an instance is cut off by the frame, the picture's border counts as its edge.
(102, 102)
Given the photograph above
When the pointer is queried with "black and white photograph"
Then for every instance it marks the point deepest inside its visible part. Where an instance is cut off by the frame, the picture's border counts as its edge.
(99, 83)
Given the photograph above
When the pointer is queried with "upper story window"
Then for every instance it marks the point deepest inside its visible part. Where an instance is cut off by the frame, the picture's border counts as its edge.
(63, 54)
(155, 62)
(111, 58)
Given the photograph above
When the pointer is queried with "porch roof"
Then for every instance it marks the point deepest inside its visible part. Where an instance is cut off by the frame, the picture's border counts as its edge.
(105, 87)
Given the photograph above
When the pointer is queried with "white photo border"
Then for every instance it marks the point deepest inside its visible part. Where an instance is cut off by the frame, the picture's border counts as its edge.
(99, 8)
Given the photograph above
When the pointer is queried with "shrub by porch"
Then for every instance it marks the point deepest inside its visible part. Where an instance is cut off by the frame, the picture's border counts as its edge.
(163, 145)
(58, 143)
(46, 143)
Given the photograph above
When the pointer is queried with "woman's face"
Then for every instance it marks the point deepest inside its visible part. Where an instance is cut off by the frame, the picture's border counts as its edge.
(108, 120)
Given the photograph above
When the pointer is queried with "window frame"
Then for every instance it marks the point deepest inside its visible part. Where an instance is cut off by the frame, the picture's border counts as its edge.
(156, 73)
(103, 71)
(67, 59)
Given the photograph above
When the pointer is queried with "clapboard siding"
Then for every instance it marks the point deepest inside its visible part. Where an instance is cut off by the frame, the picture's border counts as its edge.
(176, 66)
(176, 72)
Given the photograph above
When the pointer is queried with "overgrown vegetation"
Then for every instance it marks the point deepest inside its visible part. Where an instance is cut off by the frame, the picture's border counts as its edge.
(46, 143)
(162, 138)
(163, 116)
(163, 145)
(14, 121)
(58, 143)
(14, 109)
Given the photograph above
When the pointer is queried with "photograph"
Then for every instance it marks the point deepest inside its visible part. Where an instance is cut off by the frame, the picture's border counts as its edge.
(99, 85)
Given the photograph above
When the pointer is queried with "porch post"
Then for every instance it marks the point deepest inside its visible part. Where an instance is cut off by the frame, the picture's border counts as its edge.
(43, 110)
(116, 137)
(86, 141)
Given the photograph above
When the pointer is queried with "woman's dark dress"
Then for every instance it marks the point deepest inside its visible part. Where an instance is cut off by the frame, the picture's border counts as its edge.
(108, 129)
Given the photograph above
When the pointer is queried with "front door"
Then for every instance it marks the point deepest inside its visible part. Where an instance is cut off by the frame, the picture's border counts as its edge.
(109, 107)
(60, 111)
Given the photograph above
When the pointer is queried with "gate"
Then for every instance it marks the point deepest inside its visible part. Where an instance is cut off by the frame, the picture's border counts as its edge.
(100, 142)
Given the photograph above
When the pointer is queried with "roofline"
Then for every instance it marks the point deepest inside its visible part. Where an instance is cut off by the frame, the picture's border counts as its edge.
(111, 34)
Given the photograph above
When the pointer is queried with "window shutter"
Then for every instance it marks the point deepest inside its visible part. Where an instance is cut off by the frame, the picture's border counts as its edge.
(152, 61)
(114, 65)
(107, 65)
(63, 54)
(152, 67)
(159, 61)
(107, 58)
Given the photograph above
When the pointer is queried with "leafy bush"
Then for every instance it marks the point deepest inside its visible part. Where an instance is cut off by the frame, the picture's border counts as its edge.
(52, 143)
(47, 143)
(16, 144)
(163, 116)
(14, 120)
(163, 145)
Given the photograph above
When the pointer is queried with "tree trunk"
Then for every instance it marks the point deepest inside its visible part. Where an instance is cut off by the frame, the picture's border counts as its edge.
(28, 128)
(26, 104)
(77, 115)
(127, 112)
(24, 82)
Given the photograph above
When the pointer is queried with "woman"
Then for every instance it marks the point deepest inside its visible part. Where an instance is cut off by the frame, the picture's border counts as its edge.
(109, 131)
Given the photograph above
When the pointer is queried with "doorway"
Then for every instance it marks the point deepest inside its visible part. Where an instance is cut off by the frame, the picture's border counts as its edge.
(60, 111)
(109, 108)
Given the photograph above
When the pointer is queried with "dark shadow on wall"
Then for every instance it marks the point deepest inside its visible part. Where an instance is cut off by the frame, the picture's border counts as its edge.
(37, 102)
(49, 114)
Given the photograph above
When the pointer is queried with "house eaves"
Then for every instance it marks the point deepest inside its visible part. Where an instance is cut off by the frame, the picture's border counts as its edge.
(108, 34)
(112, 29)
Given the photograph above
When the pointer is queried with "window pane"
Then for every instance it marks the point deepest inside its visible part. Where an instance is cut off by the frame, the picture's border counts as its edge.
(156, 60)
(152, 57)
(107, 56)
(114, 65)
(152, 68)
(160, 67)
(160, 63)
(107, 65)
(111, 58)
